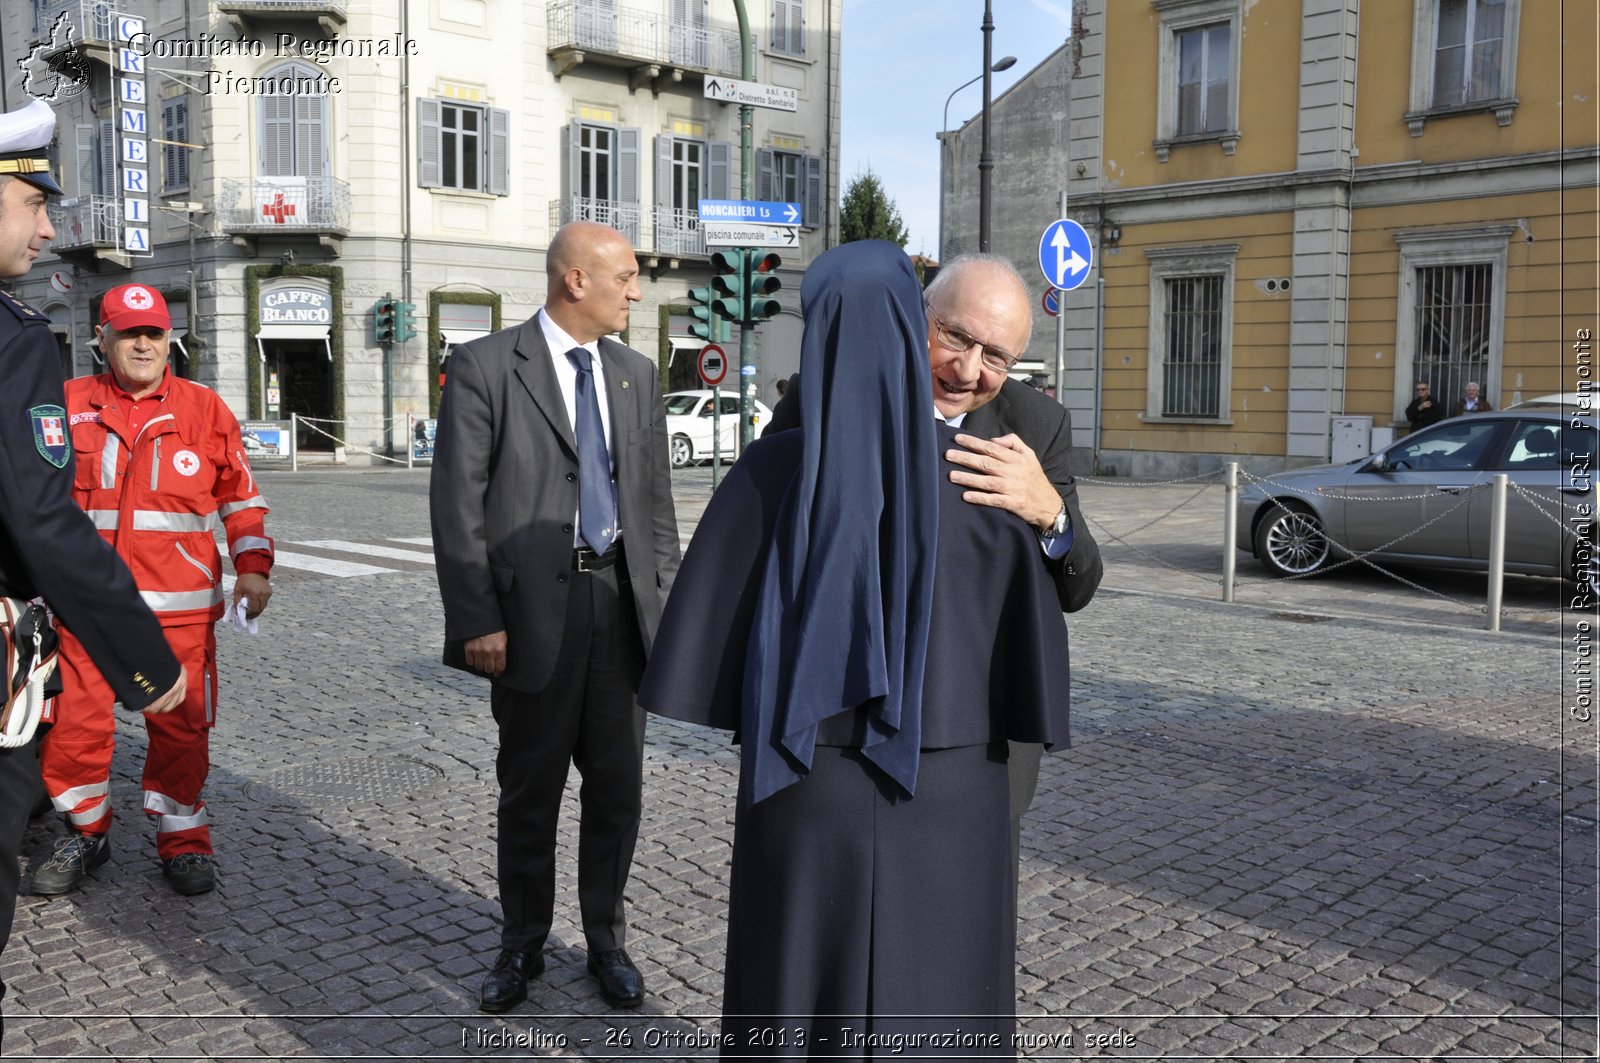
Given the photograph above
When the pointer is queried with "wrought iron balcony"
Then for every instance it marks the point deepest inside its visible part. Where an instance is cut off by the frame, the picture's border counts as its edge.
(667, 232)
(284, 205)
(623, 217)
(85, 223)
(63, 24)
(643, 41)
(677, 233)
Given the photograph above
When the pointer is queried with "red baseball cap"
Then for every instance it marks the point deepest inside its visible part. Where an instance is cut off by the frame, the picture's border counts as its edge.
(134, 306)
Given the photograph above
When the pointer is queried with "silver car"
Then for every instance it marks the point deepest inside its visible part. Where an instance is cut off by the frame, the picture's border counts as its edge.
(1425, 501)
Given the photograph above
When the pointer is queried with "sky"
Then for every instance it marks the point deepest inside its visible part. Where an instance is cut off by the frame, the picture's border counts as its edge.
(901, 62)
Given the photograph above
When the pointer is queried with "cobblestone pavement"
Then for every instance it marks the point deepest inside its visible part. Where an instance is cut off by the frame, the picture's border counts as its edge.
(1327, 824)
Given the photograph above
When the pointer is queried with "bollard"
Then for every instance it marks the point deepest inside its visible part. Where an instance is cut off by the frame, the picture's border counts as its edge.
(294, 442)
(1497, 547)
(1230, 526)
(411, 440)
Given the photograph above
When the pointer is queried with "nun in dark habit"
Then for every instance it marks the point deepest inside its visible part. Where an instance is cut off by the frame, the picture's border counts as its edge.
(872, 641)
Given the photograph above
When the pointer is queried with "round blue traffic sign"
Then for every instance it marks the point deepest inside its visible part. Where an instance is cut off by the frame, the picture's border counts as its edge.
(1065, 254)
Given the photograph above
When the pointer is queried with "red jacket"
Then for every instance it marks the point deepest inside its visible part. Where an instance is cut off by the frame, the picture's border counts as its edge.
(158, 498)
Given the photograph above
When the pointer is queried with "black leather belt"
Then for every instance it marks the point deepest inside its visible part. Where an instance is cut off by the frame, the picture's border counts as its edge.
(586, 560)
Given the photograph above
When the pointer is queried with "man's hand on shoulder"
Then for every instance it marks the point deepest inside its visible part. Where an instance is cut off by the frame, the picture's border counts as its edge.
(1005, 473)
(487, 653)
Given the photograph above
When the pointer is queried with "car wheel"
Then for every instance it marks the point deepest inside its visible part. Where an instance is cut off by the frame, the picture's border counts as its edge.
(682, 451)
(1290, 542)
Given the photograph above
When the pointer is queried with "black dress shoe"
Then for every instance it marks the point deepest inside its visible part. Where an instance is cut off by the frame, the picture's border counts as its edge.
(506, 985)
(620, 981)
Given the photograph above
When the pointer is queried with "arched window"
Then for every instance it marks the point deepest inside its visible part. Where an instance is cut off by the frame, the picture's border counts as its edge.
(294, 123)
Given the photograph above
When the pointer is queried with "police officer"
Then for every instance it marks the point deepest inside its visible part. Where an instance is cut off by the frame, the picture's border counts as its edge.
(48, 546)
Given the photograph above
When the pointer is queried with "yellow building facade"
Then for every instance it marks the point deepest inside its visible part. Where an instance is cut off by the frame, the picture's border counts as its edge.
(1301, 208)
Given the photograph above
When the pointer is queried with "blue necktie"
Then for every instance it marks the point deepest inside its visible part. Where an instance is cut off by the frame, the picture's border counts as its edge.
(597, 495)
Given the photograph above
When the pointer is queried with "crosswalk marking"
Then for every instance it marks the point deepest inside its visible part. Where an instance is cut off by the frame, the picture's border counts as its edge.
(327, 566)
(370, 550)
(421, 540)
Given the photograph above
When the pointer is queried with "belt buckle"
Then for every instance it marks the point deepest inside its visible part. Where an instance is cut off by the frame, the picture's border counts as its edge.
(581, 560)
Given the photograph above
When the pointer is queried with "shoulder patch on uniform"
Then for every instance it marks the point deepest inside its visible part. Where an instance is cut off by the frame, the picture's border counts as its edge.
(50, 434)
(22, 310)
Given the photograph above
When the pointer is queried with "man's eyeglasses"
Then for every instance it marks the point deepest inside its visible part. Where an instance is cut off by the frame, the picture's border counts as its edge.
(956, 340)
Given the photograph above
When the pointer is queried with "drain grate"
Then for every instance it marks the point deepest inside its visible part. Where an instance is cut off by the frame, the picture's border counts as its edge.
(355, 780)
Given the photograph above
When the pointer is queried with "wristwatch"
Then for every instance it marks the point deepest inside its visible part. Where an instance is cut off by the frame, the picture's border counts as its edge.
(1059, 526)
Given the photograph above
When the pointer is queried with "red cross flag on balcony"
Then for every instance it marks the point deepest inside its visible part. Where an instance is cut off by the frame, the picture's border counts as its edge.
(280, 201)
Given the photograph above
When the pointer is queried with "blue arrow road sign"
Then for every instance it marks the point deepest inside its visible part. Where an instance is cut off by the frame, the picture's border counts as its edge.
(753, 210)
(1065, 254)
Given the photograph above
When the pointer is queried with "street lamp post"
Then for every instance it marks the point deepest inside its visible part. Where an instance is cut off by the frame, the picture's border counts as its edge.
(1005, 63)
(985, 156)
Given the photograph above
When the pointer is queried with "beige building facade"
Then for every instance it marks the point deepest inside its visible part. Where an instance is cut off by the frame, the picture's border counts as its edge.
(305, 159)
(1300, 208)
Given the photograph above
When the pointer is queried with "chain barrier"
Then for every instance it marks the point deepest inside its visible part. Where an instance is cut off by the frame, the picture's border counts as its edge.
(1364, 556)
(1533, 500)
(1111, 481)
(343, 443)
(1156, 520)
(1313, 493)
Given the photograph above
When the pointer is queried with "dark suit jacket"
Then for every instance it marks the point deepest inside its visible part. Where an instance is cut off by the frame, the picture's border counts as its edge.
(1046, 427)
(504, 495)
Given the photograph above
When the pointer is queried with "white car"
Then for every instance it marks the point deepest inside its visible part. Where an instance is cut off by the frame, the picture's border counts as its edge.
(689, 420)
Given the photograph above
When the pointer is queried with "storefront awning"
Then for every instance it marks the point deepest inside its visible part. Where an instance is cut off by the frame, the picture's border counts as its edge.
(292, 332)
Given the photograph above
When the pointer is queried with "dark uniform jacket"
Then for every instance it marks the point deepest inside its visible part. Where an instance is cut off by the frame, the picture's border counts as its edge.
(1046, 427)
(48, 546)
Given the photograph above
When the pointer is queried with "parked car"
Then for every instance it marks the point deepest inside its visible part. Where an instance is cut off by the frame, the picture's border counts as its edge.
(689, 420)
(1414, 501)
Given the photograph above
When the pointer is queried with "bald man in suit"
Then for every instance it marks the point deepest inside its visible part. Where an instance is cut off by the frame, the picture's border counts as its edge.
(556, 541)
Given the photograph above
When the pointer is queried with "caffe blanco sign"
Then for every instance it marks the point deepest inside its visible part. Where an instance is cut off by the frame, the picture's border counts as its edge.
(296, 306)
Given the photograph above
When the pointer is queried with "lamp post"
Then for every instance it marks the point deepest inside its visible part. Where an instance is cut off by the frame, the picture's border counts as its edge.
(985, 156)
(186, 211)
(1005, 63)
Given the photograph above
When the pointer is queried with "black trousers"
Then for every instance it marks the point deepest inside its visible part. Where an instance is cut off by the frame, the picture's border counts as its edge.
(19, 788)
(1022, 767)
(586, 717)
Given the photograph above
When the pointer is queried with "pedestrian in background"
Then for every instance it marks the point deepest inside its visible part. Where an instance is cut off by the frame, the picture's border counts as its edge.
(48, 546)
(1473, 401)
(1423, 411)
(161, 465)
(556, 541)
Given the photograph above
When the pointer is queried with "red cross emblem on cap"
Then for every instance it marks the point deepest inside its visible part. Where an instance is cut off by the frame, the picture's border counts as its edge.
(137, 298)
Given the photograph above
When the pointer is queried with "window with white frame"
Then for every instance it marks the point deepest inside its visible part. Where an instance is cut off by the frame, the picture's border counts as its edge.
(463, 146)
(1464, 57)
(1198, 74)
(1450, 316)
(602, 162)
(175, 130)
(1191, 332)
(789, 27)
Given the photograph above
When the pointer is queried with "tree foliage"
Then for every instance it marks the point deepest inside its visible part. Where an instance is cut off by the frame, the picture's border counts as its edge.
(869, 214)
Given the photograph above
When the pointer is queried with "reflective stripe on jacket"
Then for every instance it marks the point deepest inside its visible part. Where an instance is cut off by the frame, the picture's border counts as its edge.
(159, 497)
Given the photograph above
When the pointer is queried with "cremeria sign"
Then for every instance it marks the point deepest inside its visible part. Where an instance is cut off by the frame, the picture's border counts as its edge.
(133, 135)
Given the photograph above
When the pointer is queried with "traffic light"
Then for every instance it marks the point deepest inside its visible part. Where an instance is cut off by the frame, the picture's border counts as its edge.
(727, 283)
(383, 320)
(405, 321)
(707, 325)
(761, 283)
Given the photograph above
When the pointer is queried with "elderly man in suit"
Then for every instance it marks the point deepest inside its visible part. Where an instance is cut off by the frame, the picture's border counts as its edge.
(1016, 442)
(556, 541)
